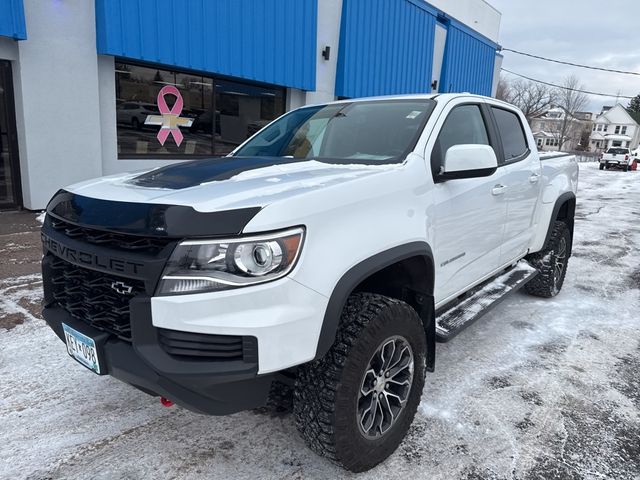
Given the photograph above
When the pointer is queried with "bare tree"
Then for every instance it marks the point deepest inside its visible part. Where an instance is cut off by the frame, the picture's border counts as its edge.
(570, 100)
(532, 98)
(504, 91)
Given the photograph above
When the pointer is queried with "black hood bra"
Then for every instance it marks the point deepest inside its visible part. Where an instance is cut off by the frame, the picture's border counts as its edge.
(147, 219)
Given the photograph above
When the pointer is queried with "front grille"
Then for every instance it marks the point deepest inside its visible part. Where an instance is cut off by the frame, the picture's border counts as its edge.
(89, 296)
(202, 346)
(103, 238)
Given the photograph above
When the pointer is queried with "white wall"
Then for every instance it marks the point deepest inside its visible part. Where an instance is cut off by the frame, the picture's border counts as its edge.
(329, 18)
(8, 49)
(497, 67)
(57, 109)
(439, 44)
(476, 14)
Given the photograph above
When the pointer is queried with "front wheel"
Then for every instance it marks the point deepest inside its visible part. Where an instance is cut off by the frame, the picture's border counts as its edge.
(551, 263)
(356, 404)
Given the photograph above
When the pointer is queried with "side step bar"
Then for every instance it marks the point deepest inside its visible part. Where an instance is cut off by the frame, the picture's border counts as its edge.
(454, 318)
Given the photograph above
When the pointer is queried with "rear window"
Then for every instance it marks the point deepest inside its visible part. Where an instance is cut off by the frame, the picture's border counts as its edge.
(514, 143)
(618, 151)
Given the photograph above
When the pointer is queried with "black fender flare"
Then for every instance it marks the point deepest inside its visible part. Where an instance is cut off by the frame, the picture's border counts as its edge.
(569, 197)
(363, 270)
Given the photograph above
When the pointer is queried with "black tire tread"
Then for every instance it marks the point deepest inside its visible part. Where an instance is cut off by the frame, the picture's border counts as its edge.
(542, 285)
(279, 401)
(317, 381)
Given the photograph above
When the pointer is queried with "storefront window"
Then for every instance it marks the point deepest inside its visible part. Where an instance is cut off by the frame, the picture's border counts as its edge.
(222, 114)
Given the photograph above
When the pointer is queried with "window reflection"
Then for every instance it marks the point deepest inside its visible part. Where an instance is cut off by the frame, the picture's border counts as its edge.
(223, 113)
(243, 110)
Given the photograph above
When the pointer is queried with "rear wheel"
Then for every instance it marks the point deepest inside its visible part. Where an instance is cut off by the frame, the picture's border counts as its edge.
(625, 168)
(356, 404)
(602, 166)
(551, 263)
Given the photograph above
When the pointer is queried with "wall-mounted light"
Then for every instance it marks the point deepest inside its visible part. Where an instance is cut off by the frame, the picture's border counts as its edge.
(326, 53)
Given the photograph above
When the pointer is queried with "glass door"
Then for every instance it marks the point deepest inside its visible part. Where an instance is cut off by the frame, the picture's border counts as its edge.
(10, 195)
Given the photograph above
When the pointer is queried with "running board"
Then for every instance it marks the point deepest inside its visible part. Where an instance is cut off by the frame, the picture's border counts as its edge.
(480, 300)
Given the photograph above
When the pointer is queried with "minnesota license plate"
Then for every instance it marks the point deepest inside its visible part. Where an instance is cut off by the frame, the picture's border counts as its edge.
(82, 348)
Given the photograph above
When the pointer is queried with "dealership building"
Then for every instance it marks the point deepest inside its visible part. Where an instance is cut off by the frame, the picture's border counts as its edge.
(85, 85)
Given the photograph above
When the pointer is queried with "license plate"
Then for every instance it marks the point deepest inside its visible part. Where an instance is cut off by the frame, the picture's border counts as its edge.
(82, 348)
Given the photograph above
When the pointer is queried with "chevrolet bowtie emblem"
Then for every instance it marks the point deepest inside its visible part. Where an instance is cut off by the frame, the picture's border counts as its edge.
(122, 288)
(170, 119)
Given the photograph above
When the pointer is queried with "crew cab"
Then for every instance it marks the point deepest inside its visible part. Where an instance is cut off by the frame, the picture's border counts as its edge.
(616, 157)
(325, 257)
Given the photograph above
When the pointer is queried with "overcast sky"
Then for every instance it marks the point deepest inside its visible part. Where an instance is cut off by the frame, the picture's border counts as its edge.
(603, 33)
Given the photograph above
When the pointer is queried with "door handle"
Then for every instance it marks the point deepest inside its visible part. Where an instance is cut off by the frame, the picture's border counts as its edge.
(498, 189)
(534, 178)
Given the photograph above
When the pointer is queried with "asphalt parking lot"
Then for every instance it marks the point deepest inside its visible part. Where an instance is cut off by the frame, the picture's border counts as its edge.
(537, 389)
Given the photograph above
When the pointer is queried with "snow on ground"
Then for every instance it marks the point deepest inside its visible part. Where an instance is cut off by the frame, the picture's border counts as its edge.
(537, 389)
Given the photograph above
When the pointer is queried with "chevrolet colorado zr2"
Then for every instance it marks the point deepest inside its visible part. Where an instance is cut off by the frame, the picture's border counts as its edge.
(325, 257)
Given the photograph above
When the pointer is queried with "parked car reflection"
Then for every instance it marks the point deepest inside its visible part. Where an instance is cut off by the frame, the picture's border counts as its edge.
(134, 114)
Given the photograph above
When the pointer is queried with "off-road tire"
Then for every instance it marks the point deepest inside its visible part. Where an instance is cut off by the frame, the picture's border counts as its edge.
(547, 284)
(602, 166)
(625, 168)
(279, 402)
(327, 390)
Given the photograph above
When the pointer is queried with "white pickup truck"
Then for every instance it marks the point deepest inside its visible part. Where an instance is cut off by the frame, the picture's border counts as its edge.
(325, 257)
(616, 157)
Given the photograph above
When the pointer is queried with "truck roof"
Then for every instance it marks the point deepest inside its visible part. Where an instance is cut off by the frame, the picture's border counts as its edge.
(418, 96)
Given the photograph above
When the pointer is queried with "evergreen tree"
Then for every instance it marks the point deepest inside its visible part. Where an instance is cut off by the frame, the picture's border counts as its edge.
(634, 104)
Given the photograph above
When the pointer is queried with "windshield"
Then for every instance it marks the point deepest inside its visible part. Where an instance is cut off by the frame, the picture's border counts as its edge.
(618, 150)
(379, 131)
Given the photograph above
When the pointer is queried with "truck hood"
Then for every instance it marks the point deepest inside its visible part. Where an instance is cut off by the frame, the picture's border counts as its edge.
(227, 183)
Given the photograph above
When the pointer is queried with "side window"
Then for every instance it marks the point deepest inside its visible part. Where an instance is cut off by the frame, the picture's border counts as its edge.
(464, 125)
(514, 143)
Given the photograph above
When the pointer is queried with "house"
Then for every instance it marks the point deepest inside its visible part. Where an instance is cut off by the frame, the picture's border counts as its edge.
(615, 127)
(556, 123)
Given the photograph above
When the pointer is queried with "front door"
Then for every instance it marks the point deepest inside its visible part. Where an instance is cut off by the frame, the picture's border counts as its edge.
(10, 194)
(468, 215)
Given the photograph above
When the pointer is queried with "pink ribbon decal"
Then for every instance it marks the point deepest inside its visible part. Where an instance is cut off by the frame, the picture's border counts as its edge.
(170, 120)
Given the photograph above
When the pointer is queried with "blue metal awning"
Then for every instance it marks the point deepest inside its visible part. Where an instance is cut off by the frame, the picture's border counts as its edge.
(268, 41)
(12, 22)
(387, 47)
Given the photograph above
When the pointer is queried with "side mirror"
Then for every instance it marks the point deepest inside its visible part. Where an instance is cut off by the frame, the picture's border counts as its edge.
(469, 161)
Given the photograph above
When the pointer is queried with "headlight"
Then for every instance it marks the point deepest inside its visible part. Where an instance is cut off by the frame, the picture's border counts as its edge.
(210, 265)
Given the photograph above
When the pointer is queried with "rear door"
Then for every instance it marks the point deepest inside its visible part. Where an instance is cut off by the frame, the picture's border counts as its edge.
(467, 216)
(521, 178)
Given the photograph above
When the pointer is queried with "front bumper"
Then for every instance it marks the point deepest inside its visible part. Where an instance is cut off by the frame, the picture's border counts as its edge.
(285, 316)
(213, 353)
(215, 388)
